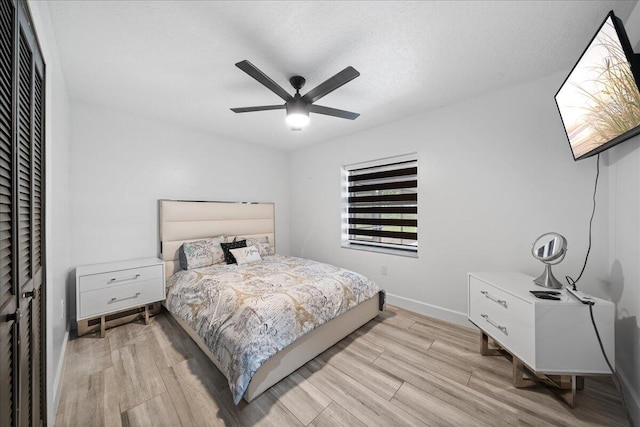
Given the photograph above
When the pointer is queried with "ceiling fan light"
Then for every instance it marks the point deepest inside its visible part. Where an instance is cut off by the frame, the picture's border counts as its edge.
(297, 112)
(297, 120)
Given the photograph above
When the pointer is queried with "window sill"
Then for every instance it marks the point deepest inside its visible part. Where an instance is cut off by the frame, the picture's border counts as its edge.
(382, 250)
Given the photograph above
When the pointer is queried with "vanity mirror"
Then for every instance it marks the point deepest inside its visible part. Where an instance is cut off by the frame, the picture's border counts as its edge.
(550, 248)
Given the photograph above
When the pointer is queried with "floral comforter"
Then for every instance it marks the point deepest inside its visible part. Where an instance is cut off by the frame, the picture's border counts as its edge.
(246, 314)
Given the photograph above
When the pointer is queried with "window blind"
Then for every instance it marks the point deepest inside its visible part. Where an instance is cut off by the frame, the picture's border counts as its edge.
(382, 204)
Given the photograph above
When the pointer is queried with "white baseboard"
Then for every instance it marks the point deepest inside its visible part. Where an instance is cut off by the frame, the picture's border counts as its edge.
(429, 310)
(52, 410)
(631, 398)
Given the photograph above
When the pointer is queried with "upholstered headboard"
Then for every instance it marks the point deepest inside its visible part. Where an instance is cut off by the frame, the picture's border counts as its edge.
(184, 221)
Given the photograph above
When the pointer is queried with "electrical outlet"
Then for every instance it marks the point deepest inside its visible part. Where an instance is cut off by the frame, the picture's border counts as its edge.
(62, 309)
(383, 270)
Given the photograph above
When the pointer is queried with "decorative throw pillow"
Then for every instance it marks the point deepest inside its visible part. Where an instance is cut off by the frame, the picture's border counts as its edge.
(201, 253)
(261, 243)
(226, 247)
(218, 253)
(246, 255)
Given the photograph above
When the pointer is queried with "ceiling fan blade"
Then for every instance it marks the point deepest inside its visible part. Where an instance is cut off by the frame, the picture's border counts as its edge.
(333, 83)
(318, 109)
(261, 77)
(261, 108)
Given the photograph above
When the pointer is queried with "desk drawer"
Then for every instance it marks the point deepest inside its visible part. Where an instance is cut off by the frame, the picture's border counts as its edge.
(119, 278)
(483, 294)
(503, 316)
(509, 331)
(116, 298)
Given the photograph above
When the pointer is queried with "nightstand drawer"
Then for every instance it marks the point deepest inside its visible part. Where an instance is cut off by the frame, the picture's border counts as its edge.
(115, 298)
(488, 297)
(117, 278)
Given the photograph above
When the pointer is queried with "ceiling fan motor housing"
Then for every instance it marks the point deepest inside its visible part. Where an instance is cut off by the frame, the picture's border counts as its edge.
(297, 82)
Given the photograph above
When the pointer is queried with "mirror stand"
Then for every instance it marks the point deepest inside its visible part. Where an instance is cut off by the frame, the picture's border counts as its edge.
(550, 249)
(547, 279)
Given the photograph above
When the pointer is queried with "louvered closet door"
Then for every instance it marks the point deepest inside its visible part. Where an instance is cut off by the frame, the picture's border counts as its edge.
(8, 289)
(37, 221)
(25, 278)
(21, 220)
(29, 221)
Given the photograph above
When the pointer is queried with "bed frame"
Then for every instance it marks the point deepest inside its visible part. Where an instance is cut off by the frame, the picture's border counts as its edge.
(183, 221)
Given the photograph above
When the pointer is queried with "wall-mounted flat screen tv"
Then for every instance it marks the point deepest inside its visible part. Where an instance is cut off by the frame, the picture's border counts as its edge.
(599, 102)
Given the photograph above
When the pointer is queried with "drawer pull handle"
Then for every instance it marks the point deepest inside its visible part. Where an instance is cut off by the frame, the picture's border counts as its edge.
(114, 299)
(494, 324)
(114, 280)
(494, 299)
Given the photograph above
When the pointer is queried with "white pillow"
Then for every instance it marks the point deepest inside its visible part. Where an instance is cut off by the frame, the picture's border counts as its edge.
(246, 255)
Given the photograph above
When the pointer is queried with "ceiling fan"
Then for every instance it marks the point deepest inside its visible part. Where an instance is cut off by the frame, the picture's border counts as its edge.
(299, 106)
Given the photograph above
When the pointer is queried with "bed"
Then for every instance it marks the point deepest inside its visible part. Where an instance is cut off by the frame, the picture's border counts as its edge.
(187, 221)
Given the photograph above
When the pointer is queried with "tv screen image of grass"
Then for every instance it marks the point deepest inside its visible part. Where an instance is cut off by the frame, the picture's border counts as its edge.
(600, 99)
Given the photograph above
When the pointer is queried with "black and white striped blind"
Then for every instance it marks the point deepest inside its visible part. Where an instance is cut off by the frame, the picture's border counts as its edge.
(382, 203)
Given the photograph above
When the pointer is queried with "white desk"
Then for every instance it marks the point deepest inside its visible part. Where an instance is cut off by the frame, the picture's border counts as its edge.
(548, 338)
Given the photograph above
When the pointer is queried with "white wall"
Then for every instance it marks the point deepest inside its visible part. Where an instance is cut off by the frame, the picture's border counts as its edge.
(624, 250)
(121, 164)
(624, 259)
(495, 172)
(57, 193)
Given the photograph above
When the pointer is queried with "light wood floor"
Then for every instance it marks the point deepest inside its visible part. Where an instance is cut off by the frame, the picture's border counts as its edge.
(399, 369)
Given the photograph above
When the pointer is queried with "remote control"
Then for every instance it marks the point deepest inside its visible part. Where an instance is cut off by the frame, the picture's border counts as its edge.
(581, 296)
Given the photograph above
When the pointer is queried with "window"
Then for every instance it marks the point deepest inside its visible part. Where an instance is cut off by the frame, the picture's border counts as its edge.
(380, 205)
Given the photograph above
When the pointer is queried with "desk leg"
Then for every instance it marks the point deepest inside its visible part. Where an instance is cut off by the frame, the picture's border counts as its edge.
(566, 389)
(563, 386)
(146, 314)
(102, 326)
(519, 380)
(484, 346)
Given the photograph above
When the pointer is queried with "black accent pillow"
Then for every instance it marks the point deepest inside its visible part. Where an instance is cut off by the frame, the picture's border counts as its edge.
(228, 256)
(183, 258)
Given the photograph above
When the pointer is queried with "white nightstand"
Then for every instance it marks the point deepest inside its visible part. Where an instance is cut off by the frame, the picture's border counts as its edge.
(550, 341)
(115, 287)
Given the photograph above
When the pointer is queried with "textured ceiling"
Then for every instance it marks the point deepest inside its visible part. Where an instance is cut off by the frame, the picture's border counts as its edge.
(174, 60)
